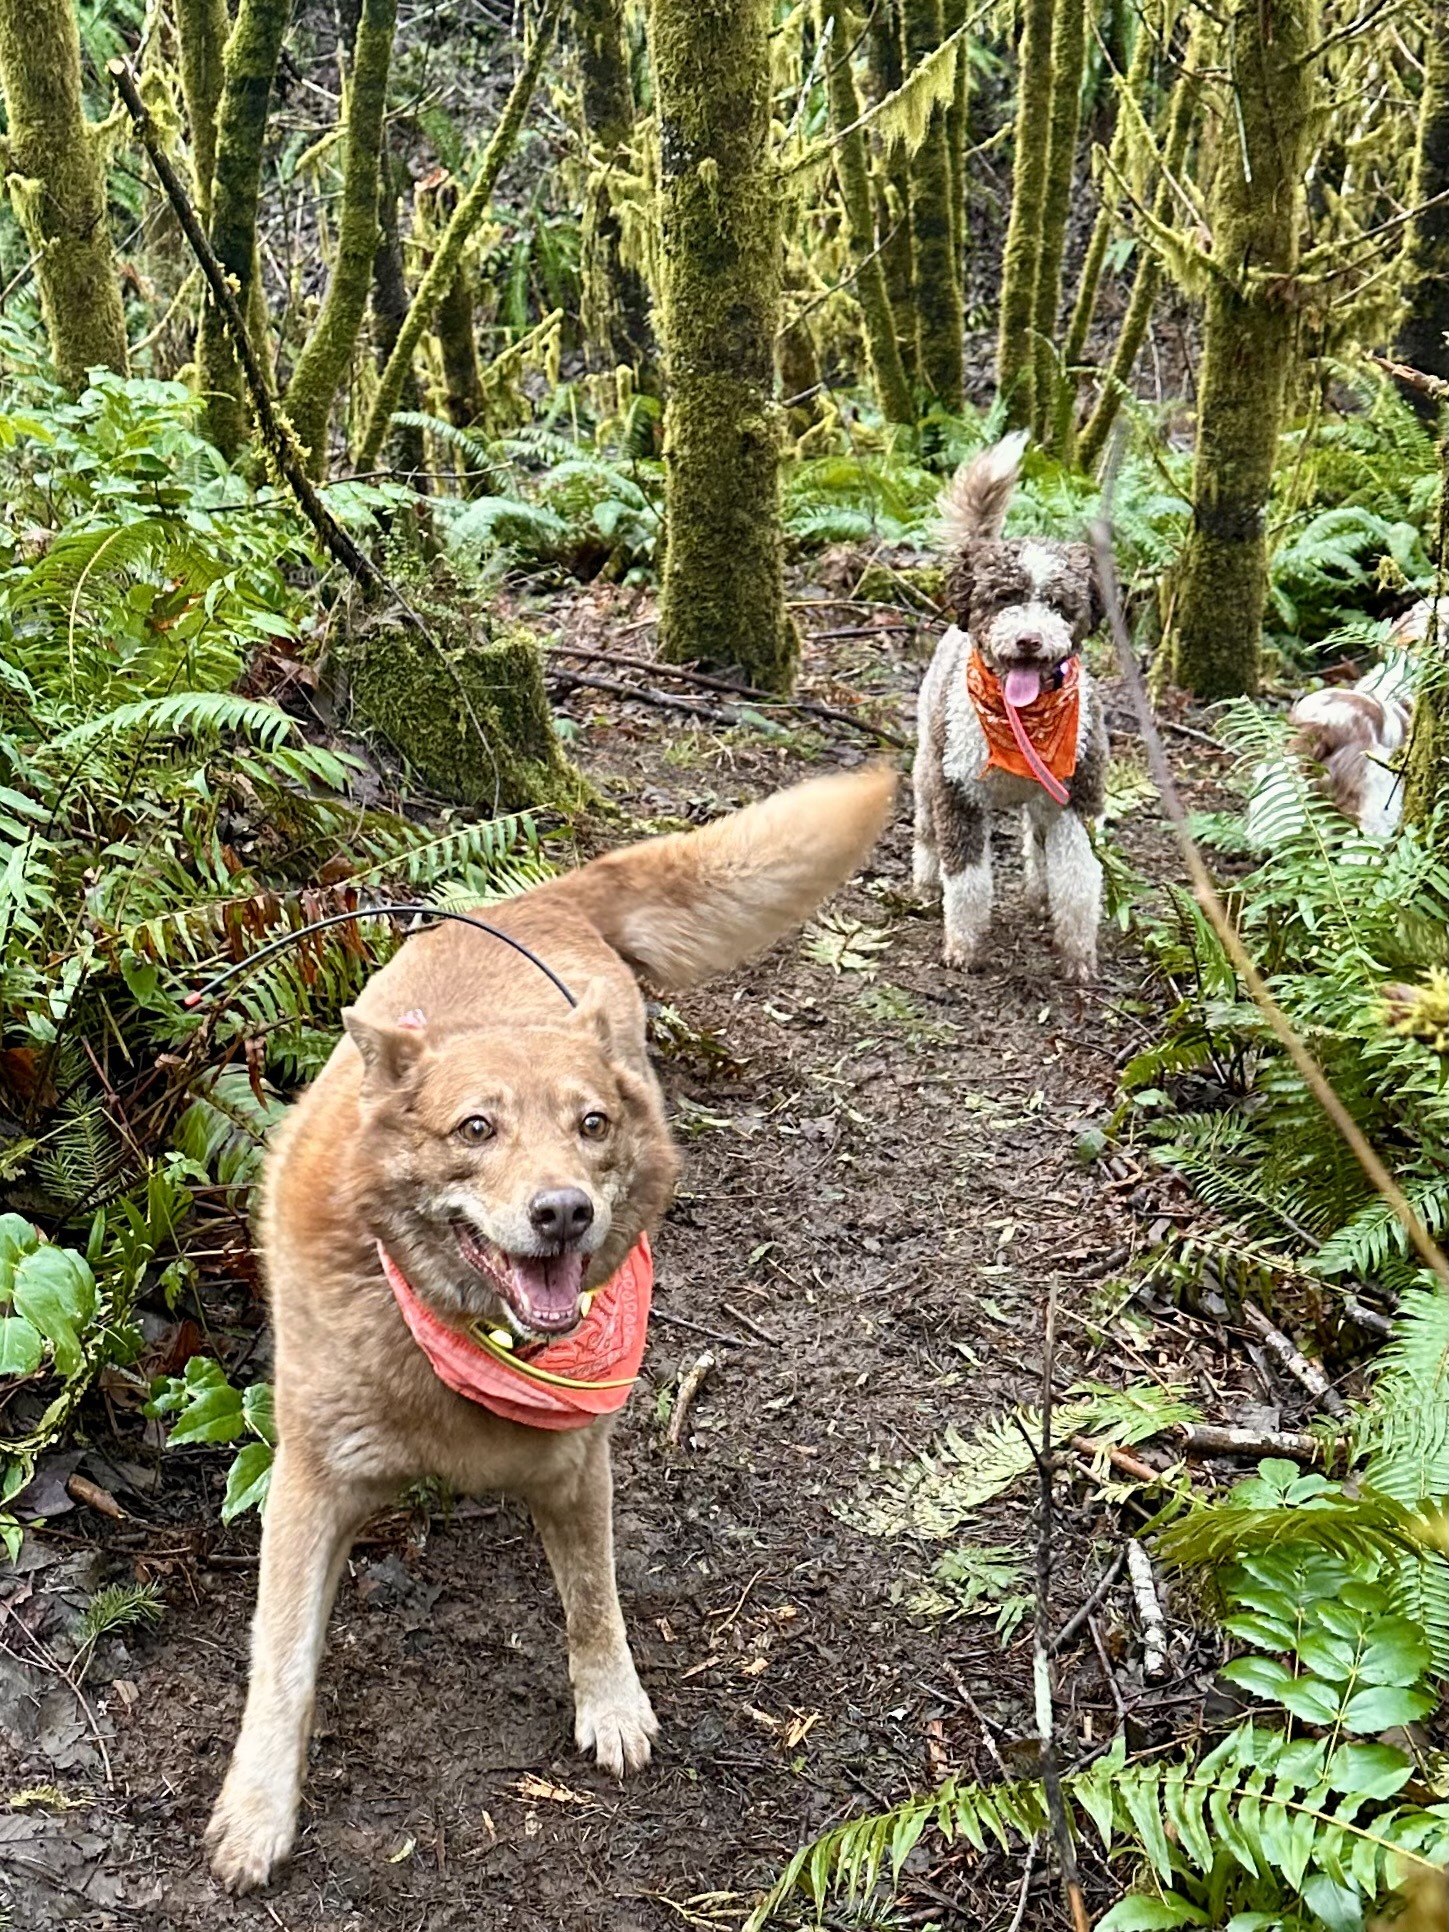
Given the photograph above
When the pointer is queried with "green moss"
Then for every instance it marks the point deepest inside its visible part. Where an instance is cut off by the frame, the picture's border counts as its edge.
(252, 50)
(471, 718)
(615, 304)
(323, 362)
(722, 596)
(1256, 217)
(852, 168)
(1068, 57)
(886, 584)
(58, 187)
(458, 345)
(1015, 370)
(1422, 334)
(935, 278)
(884, 49)
(201, 30)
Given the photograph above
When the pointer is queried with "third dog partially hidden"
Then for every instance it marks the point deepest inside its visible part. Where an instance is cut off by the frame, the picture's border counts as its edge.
(1009, 720)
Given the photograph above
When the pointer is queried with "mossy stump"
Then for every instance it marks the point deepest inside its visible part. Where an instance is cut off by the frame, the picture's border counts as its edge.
(469, 715)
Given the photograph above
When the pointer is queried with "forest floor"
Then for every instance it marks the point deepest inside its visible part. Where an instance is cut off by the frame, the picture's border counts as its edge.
(881, 1186)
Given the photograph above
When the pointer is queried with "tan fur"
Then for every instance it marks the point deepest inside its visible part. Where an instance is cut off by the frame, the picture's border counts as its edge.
(974, 503)
(458, 1025)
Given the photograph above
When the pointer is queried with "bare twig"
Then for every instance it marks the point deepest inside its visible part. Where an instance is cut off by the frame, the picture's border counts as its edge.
(1297, 1364)
(749, 1322)
(1109, 1676)
(1208, 898)
(645, 694)
(691, 1381)
(1154, 1625)
(1369, 1318)
(697, 1328)
(988, 1734)
(1028, 1867)
(1120, 1459)
(1412, 378)
(1074, 1623)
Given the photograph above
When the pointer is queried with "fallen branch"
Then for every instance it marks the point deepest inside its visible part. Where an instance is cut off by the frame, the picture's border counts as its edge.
(1074, 1623)
(748, 1321)
(690, 1383)
(1149, 1610)
(1412, 378)
(1208, 1439)
(1297, 1364)
(645, 694)
(1121, 1459)
(1369, 1318)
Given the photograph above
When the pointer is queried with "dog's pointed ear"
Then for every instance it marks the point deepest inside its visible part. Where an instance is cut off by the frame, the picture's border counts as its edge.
(389, 1053)
(593, 1014)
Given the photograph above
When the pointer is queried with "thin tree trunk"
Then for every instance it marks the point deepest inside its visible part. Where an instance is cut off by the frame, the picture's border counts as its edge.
(1069, 55)
(936, 284)
(389, 312)
(458, 343)
(893, 212)
(953, 17)
(852, 168)
(1422, 342)
(722, 598)
(1015, 368)
(252, 51)
(444, 266)
(615, 306)
(323, 361)
(58, 187)
(1255, 217)
(201, 30)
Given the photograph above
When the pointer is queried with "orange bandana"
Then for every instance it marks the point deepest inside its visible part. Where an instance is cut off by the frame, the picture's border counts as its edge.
(1048, 724)
(565, 1384)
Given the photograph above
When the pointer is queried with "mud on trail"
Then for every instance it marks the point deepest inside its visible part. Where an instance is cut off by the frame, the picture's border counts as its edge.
(881, 1185)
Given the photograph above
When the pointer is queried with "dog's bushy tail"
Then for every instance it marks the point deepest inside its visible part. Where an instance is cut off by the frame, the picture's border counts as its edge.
(973, 504)
(689, 905)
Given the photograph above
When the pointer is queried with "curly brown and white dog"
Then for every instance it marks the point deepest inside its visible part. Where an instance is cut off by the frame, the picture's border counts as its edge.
(1010, 721)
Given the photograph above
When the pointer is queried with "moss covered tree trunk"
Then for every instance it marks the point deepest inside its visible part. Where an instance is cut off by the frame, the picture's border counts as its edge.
(389, 312)
(893, 212)
(458, 344)
(953, 17)
(324, 360)
(1255, 212)
(58, 187)
(1117, 377)
(892, 385)
(1031, 152)
(615, 299)
(935, 278)
(1068, 56)
(201, 30)
(443, 269)
(252, 50)
(1423, 339)
(722, 599)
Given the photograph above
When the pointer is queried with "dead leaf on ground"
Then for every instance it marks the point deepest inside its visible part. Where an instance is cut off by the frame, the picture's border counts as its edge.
(538, 1790)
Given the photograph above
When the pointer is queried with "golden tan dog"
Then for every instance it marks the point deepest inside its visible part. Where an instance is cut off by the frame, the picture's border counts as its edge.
(507, 1153)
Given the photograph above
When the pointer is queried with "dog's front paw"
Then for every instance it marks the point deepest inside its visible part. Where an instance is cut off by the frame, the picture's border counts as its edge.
(1078, 969)
(250, 1833)
(960, 957)
(615, 1720)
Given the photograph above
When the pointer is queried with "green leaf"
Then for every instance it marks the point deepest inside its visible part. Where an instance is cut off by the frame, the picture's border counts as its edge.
(1381, 1706)
(1372, 1770)
(1261, 1675)
(206, 1406)
(56, 1291)
(1329, 1657)
(1396, 1653)
(1137, 1913)
(248, 1480)
(21, 1348)
(1268, 1633)
(258, 1412)
(17, 1238)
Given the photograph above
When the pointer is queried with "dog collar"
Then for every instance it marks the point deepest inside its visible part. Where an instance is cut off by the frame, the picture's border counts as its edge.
(1037, 740)
(564, 1384)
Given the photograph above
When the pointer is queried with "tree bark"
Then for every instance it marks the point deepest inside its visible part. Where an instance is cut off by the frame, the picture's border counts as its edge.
(1255, 213)
(58, 187)
(852, 168)
(1069, 56)
(615, 307)
(936, 282)
(953, 17)
(252, 51)
(1423, 338)
(1015, 362)
(201, 30)
(323, 361)
(389, 312)
(893, 213)
(722, 597)
(1148, 278)
(443, 268)
(458, 343)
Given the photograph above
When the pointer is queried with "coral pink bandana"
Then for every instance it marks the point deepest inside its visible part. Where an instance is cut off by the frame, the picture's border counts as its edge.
(564, 1384)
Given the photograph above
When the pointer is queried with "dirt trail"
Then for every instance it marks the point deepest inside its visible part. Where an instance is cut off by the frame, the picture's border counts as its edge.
(880, 1177)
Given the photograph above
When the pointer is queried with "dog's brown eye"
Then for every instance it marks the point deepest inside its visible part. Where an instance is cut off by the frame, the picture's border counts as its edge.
(594, 1126)
(475, 1130)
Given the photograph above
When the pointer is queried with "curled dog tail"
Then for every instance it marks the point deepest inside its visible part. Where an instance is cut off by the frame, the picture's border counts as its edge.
(684, 907)
(973, 504)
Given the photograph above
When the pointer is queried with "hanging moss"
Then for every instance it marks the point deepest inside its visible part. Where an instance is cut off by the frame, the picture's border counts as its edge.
(323, 362)
(1069, 56)
(1145, 283)
(615, 306)
(252, 51)
(58, 187)
(886, 65)
(1015, 369)
(201, 30)
(1255, 214)
(443, 268)
(892, 386)
(722, 596)
(1422, 342)
(935, 280)
(471, 718)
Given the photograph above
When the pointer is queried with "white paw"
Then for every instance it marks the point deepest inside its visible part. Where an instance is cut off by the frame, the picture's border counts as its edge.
(250, 1833)
(615, 1720)
(1077, 968)
(959, 956)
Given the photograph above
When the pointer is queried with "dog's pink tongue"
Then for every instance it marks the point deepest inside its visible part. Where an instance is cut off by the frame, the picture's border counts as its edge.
(548, 1288)
(1023, 684)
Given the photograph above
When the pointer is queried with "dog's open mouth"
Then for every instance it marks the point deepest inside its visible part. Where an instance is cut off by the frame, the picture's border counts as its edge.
(1022, 684)
(541, 1290)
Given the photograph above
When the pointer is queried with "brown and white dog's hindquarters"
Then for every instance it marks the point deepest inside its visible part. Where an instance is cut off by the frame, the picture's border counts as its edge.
(387, 1146)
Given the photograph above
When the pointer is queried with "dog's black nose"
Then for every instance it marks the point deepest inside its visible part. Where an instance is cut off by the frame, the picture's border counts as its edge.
(561, 1213)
